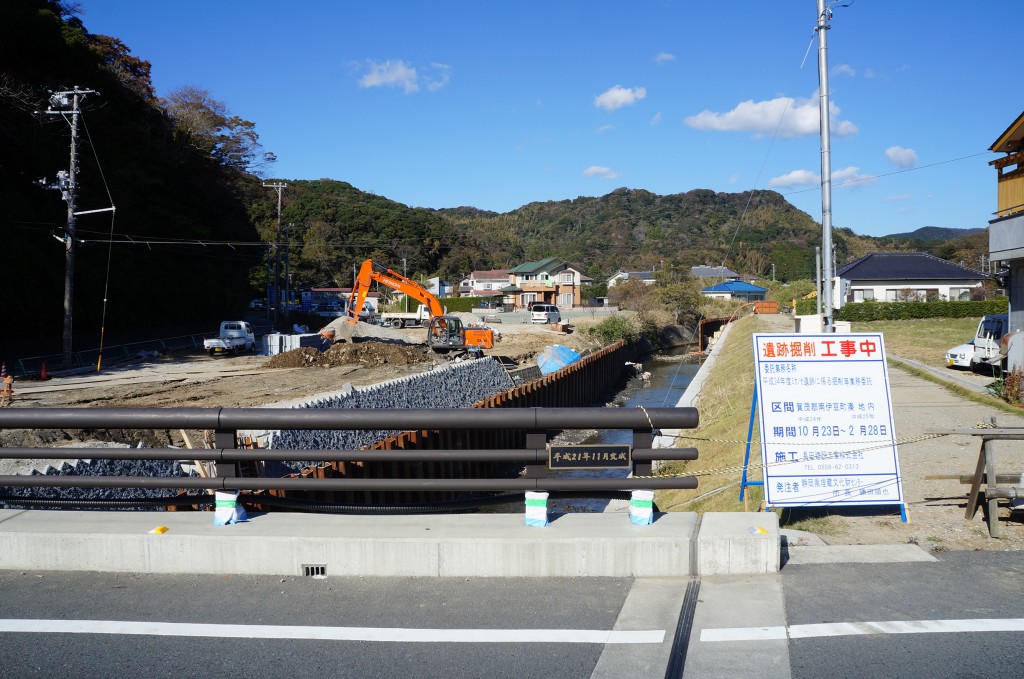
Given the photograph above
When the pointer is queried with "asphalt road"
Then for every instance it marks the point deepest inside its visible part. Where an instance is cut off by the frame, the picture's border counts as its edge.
(231, 626)
(482, 608)
(959, 586)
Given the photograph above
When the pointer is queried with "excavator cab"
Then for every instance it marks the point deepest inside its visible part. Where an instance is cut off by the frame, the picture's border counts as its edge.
(446, 333)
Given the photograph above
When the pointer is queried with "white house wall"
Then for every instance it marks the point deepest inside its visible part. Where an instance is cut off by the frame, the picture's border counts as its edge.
(880, 288)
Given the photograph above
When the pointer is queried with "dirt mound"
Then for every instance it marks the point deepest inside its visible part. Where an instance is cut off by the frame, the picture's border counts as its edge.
(367, 353)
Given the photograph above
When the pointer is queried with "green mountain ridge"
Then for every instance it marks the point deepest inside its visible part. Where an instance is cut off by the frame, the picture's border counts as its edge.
(195, 232)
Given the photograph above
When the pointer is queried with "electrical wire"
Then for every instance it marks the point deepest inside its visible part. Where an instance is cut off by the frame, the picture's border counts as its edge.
(110, 247)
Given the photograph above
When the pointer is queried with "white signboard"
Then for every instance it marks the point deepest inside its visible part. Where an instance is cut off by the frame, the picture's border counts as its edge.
(827, 435)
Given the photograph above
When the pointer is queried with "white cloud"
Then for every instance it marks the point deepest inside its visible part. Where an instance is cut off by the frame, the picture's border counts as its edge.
(844, 69)
(617, 97)
(899, 198)
(901, 157)
(795, 178)
(852, 175)
(442, 78)
(604, 128)
(397, 73)
(762, 118)
(600, 171)
(390, 73)
(656, 119)
(846, 175)
(664, 57)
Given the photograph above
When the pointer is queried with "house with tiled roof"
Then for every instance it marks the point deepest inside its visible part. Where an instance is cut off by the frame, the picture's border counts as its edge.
(484, 283)
(736, 290)
(645, 277)
(550, 280)
(904, 276)
(714, 272)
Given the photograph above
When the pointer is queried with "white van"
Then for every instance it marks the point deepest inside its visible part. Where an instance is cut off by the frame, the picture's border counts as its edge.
(545, 313)
(991, 329)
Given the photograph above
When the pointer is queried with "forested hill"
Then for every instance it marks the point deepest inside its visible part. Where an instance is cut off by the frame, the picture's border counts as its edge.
(640, 230)
(179, 171)
(195, 227)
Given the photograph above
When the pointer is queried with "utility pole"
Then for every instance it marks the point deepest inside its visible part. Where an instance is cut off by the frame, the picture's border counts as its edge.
(405, 273)
(279, 186)
(67, 184)
(822, 28)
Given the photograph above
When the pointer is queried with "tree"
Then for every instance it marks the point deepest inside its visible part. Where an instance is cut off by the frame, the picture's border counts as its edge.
(206, 124)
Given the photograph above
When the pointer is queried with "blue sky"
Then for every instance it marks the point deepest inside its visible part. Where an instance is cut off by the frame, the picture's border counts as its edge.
(498, 104)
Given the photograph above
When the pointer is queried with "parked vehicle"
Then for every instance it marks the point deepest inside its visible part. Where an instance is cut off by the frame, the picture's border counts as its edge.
(401, 319)
(961, 356)
(234, 337)
(991, 329)
(445, 333)
(545, 313)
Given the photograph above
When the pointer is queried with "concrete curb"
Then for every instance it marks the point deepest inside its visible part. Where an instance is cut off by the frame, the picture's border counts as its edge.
(478, 545)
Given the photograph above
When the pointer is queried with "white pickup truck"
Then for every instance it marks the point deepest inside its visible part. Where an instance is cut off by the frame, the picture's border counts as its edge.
(234, 337)
(415, 319)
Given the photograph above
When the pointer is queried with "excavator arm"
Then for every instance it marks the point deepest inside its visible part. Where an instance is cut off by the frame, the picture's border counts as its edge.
(370, 272)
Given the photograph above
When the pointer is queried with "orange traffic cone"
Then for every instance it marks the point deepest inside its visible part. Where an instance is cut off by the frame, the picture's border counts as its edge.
(42, 372)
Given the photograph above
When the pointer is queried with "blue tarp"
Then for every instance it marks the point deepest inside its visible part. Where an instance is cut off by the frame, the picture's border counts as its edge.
(555, 357)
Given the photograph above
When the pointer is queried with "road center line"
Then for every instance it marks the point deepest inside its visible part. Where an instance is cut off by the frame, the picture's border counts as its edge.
(840, 629)
(399, 634)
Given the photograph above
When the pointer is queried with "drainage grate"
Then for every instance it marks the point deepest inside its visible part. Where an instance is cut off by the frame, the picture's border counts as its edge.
(314, 570)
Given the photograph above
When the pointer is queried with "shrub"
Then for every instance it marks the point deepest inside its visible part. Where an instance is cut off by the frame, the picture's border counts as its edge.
(614, 328)
(898, 311)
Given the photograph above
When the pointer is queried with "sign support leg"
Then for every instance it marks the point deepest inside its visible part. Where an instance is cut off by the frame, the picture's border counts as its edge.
(746, 457)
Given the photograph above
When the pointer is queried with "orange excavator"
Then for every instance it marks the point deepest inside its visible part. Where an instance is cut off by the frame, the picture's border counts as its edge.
(445, 333)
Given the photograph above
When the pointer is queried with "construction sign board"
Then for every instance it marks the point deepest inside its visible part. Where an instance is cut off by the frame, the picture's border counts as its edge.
(825, 414)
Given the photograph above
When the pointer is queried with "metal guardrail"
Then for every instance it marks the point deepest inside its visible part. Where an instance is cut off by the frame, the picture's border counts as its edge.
(537, 423)
(32, 365)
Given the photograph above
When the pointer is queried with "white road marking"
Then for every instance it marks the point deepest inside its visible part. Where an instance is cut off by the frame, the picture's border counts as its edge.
(840, 629)
(179, 629)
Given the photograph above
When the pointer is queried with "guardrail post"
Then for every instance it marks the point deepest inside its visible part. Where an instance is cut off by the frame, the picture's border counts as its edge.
(224, 439)
(536, 440)
(643, 438)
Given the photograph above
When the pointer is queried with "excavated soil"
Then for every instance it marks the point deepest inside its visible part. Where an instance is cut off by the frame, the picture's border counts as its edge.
(365, 353)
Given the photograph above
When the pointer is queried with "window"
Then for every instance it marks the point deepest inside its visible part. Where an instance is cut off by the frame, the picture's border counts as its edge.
(530, 277)
(567, 278)
(959, 294)
(565, 299)
(487, 286)
(890, 295)
(863, 295)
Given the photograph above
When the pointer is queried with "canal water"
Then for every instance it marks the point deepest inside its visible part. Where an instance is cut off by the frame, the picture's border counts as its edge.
(670, 375)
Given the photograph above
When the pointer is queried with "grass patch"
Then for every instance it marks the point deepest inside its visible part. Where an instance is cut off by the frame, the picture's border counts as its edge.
(820, 525)
(724, 406)
(925, 340)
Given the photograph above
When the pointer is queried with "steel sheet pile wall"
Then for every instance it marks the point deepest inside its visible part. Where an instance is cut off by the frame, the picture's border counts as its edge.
(578, 384)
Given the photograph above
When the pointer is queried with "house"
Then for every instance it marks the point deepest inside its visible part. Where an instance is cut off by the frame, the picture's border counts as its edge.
(902, 277)
(438, 287)
(1006, 231)
(645, 277)
(550, 280)
(736, 290)
(714, 272)
(485, 283)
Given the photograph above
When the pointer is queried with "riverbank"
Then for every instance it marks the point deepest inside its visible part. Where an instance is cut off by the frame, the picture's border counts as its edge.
(930, 466)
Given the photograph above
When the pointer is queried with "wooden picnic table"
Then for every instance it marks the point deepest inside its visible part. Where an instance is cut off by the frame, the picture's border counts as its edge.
(985, 474)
